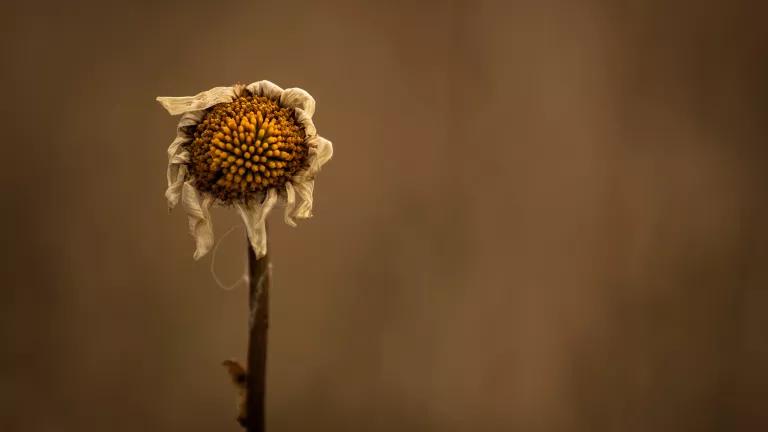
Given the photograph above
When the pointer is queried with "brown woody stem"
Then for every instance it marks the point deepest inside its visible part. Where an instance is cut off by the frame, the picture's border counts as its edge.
(259, 280)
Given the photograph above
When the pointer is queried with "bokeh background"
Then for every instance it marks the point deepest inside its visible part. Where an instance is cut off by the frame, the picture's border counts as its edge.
(541, 216)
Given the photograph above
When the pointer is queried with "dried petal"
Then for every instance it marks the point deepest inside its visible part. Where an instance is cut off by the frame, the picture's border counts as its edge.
(265, 88)
(254, 216)
(298, 98)
(200, 101)
(306, 120)
(304, 190)
(321, 151)
(177, 174)
(199, 216)
(290, 203)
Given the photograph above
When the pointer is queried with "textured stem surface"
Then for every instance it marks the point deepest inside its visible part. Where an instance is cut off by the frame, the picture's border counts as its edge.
(260, 275)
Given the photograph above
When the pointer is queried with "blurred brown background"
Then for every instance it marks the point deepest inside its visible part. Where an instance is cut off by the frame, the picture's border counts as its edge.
(541, 216)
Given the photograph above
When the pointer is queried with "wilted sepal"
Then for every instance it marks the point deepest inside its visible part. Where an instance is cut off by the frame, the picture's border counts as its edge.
(254, 216)
(200, 225)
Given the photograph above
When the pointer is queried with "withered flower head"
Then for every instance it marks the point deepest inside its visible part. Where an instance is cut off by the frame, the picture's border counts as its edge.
(247, 147)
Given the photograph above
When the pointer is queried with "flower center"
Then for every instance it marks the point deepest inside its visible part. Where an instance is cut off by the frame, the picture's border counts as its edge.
(244, 147)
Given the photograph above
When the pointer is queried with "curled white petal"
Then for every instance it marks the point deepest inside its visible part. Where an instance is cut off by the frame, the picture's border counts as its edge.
(199, 215)
(265, 88)
(290, 203)
(177, 157)
(180, 158)
(298, 98)
(190, 118)
(238, 88)
(321, 151)
(254, 217)
(304, 190)
(305, 120)
(200, 101)
(175, 146)
(177, 174)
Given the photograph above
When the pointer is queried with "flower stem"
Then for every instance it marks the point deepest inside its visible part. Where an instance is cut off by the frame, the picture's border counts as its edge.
(260, 275)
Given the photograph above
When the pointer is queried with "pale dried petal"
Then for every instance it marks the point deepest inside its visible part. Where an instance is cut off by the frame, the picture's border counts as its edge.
(177, 174)
(190, 118)
(254, 216)
(265, 88)
(239, 88)
(305, 120)
(199, 215)
(200, 101)
(180, 158)
(175, 146)
(177, 157)
(304, 190)
(290, 203)
(298, 98)
(321, 151)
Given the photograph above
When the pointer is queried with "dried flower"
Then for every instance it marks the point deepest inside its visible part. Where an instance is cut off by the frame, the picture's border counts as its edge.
(248, 147)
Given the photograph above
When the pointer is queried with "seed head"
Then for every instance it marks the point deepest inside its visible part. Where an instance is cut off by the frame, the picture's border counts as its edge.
(244, 147)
